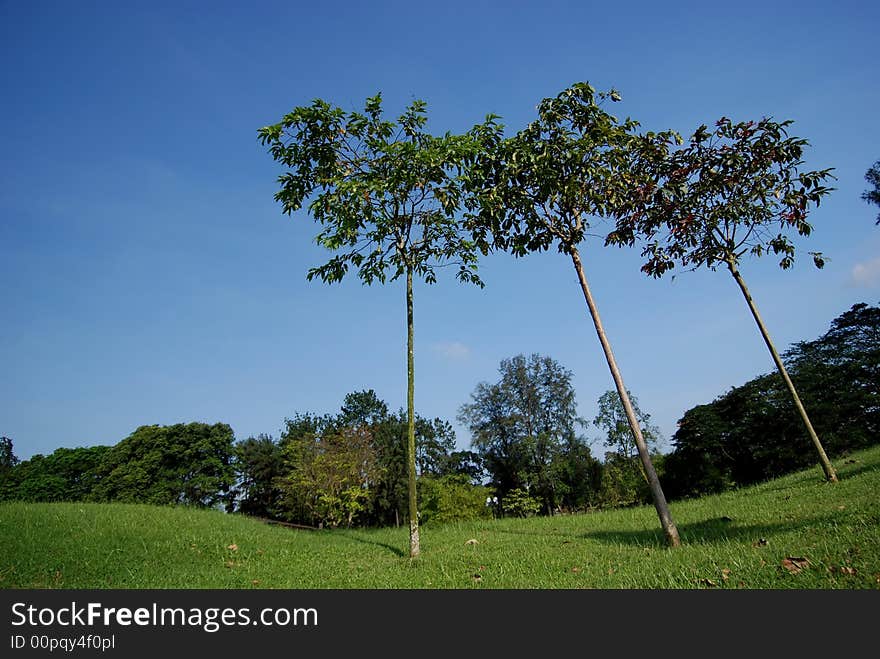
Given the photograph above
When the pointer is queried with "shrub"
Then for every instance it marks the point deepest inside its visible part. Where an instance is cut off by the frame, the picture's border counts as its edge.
(519, 504)
(451, 498)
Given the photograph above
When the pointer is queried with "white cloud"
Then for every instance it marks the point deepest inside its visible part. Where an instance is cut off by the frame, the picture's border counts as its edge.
(866, 274)
(452, 350)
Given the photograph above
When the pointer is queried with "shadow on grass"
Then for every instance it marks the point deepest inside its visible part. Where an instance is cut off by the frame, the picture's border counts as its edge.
(845, 471)
(716, 529)
(352, 535)
(849, 470)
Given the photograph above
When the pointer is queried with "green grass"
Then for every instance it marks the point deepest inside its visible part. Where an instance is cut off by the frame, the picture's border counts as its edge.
(739, 539)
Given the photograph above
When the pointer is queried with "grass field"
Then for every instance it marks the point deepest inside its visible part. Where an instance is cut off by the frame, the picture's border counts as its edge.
(794, 532)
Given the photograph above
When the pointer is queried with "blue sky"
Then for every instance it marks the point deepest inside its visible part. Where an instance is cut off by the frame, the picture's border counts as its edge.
(147, 275)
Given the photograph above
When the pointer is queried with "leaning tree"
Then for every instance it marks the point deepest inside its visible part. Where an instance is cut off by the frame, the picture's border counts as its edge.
(386, 195)
(732, 191)
(544, 186)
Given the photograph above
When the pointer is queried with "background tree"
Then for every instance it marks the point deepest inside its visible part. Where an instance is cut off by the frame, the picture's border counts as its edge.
(333, 474)
(465, 463)
(544, 186)
(731, 192)
(363, 413)
(872, 176)
(611, 417)
(189, 464)
(259, 463)
(520, 424)
(66, 474)
(745, 435)
(452, 498)
(578, 475)
(623, 480)
(386, 194)
(7, 456)
(301, 432)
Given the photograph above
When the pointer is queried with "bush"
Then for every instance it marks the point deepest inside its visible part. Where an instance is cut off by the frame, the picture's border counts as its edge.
(451, 499)
(519, 504)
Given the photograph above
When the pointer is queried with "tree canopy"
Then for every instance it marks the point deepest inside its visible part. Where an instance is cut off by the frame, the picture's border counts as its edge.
(734, 190)
(188, 464)
(520, 425)
(751, 432)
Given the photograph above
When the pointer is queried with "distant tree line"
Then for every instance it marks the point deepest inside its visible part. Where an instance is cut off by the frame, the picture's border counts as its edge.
(529, 454)
(751, 433)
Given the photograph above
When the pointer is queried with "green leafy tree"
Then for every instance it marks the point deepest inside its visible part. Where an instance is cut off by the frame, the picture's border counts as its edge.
(464, 463)
(623, 477)
(611, 418)
(386, 195)
(363, 408)
(520, 424)
(520, 503)
(188, 464)
(578, 475)
(745, 435)
(7, 454)
(8, 460)
(66, 474)
(839, 376)
(452, 498)
(332, 475)
(545, 185)
(259, 463)
(733, 191)
(872, 196)
(623, 480)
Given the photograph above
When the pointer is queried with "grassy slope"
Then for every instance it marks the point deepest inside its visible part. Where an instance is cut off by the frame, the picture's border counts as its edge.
(834, 527)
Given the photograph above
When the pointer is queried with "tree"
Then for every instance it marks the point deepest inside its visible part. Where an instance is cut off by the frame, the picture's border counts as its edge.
(333, 474)
(8, 461)
(872, 176)
(544, 185)
(7, 455)
(386, 194)
(519, 425)
(578, 474)
(189, 464)
(363, 408)
(731, 192)
(64, 475)
(839, 375)
(745, 435)
(452, 498)
(435, 441)
(258, 464)
(464, 463)
(611, 417)
(623, 477)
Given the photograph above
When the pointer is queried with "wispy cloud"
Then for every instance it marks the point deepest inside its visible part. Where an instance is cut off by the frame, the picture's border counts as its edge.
(866, 274)
(453, 350)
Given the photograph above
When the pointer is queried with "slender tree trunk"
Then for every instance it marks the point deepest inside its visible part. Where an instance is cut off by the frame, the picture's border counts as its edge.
(827, 467)
(411, 422)
(660, 504)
